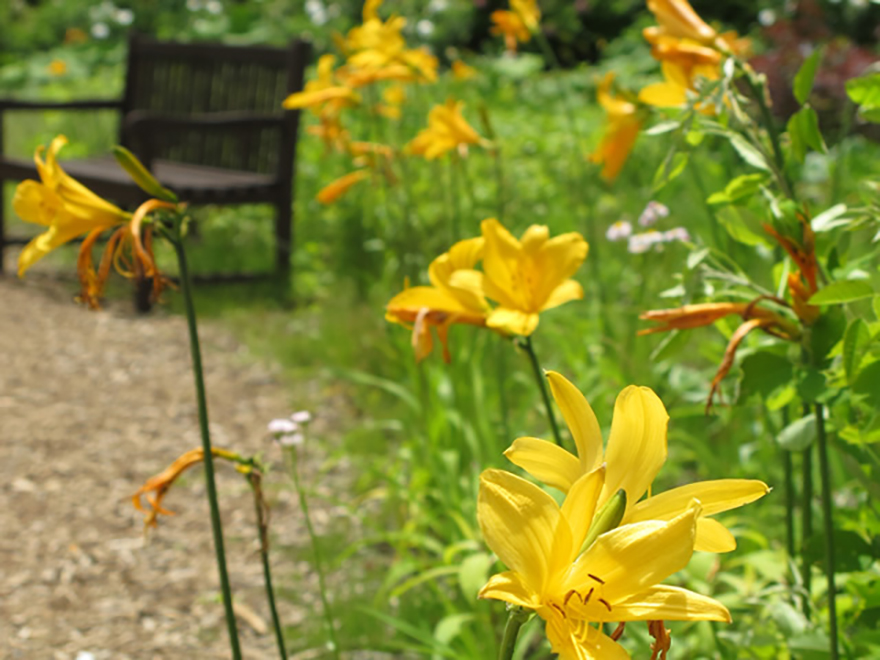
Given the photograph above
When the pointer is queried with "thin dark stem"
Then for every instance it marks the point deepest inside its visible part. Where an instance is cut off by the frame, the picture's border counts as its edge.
(216, 525)
(806, 524)
(758, 91)
(255, 479)
(789, 492)
(828, 523)
(526, 343)
(316, 551)
(518, 616)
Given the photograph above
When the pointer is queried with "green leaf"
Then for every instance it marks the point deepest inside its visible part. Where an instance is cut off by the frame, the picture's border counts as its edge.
(803, 79)
(798, 435)
(810, 384)
(473, 573)
(742, 225)
(824, 335)
(748, 153)
(803, 130)
(663, 127)
(850, 549)
(865, 90)
(669, 169)
(740, 188)
(763, 372)
(843, 291)
(868, 383)
(855, 344)
(830, 218)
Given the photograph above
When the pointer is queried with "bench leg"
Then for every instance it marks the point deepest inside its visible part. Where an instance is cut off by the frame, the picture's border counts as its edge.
(284, 245)
(2, 224)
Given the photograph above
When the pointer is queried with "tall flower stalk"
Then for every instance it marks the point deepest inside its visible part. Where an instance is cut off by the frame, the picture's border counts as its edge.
(175, 237)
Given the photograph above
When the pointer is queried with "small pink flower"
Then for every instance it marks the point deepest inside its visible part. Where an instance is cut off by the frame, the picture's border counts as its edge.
(301, 417)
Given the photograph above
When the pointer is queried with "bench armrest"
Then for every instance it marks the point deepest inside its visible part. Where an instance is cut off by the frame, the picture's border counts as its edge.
(88, 104)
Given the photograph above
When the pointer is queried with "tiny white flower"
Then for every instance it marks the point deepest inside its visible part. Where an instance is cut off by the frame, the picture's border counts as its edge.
(301, 417)
(619, 231)
(282, 426)
(676, 234)
(100, 31)
(652, 213)
(291, 439)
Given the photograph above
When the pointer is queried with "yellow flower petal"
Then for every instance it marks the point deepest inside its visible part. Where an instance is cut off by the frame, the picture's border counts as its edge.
(632, 558)
(670, 604)
(637, 444)
(509, 587)
(512, 321)
(545, 461)
(523, 526)
(34, 202)
(663, 95)
(715, 496)
(581, 421)
(579, 506)
(712, 536)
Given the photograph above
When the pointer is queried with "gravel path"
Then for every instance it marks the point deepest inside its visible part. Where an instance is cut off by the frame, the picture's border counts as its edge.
(91, 405)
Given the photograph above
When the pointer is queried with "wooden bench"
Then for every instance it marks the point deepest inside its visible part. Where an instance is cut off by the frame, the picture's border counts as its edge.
(206, 119)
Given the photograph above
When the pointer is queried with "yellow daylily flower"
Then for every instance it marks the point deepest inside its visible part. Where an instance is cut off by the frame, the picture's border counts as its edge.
(635, 453)
(443, 303)
(511, 26)
(527, 276)
(462, 71)
(622, 130)
(678, 19)
(528, 11)
(57, 67)
(576, 590)
(66, 207)
(447, 130)
(324, 93)
(672, 92)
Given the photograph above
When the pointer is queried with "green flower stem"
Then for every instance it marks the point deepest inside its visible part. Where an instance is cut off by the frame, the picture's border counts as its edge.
(316, 550)
(828, 521)
(759, 91)
(526, 344)
(789, 492)
(518, 616)
(216, 525)
(806, 524)
(255, 480)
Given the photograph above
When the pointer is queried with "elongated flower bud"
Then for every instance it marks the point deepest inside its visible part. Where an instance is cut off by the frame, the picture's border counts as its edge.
(608, 518)
(141, 175)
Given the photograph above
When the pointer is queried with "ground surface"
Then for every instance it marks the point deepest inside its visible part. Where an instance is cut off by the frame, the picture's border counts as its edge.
(91, 405)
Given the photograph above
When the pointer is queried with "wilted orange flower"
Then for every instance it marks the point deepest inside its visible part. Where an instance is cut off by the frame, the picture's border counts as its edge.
(621, 132)
(161, 483)
(447, 130)
(802, 283)
(694, 316)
